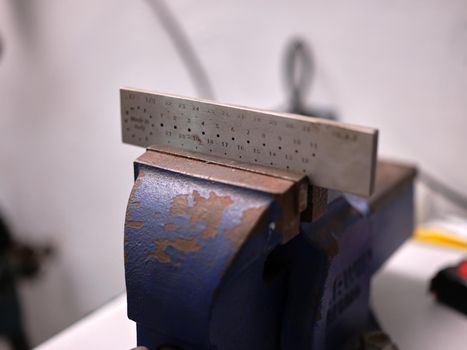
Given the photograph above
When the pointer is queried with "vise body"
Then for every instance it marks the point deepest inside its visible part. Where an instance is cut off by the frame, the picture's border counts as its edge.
(225, 255)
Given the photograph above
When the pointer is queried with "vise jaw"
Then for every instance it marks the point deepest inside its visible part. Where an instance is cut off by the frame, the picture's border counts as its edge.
(225, 255)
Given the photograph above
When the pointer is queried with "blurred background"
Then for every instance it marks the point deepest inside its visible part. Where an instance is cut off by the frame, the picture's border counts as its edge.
(65, 176)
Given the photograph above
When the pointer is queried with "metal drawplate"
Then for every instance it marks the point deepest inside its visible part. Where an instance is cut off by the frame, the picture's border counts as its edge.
(334, 155)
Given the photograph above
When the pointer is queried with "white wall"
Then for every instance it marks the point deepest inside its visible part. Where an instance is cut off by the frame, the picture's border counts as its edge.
(397, 65)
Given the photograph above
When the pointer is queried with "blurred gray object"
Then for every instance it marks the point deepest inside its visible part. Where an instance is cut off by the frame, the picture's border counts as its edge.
(376, 340)
(11, 323)
(17, 261)
(299, 73)
(1, 46)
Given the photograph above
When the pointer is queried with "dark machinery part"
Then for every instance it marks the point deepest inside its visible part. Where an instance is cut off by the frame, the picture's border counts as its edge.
(450, 286)
(17, 261)
(227, 256)
(375, 340)
(299, 74)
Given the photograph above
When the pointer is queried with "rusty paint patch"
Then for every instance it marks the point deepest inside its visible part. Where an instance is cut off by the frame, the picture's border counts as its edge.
(183, 245)
(179, 205)
(125, 249)
(249, 218)
(138, 181)
(132, 200)
(170, 226)
(209, 210)
(134, 224)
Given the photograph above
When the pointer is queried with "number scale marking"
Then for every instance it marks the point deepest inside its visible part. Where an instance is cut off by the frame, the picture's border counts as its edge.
(334, 155)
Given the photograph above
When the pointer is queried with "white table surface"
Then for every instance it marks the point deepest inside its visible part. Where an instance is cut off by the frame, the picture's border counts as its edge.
(400, 298)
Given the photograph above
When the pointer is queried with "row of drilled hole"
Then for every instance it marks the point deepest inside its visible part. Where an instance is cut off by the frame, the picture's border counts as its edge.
(233, 138)
(218, 136)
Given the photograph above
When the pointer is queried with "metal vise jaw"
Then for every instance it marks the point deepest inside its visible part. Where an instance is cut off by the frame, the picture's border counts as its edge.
(223, 255)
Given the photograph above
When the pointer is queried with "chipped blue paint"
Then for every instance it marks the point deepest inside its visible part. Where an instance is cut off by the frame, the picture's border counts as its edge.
(203, 291)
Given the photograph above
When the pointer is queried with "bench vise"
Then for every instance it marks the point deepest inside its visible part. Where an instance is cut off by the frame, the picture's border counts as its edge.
(224, 255)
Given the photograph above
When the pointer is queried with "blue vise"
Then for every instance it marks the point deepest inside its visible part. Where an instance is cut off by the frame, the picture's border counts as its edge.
(223, 255)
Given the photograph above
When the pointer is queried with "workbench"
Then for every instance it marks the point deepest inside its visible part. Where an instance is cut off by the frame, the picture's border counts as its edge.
(400, 298)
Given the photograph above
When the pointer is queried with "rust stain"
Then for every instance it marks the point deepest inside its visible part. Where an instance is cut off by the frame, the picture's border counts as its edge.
(125, 250)
(208, 210)
(138, 181)
(249, 218)
(183, 245)
(135, 224)
(132, 200)
(170, 226)
(179, 205)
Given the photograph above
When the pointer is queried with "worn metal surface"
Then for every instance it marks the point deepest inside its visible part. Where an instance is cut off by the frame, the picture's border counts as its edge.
(391, 178)
(193, 228)
(187, 234)
(210, 265)
(231, 172)
(290, 193)
(230, 163)
(317, 203)
(334, 155)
